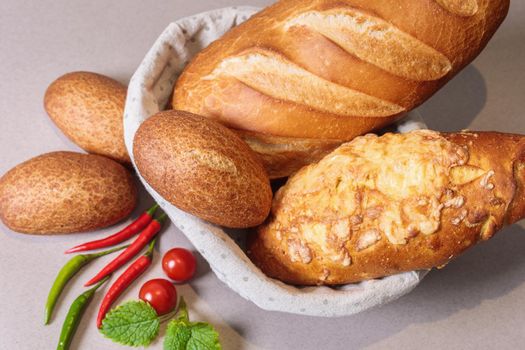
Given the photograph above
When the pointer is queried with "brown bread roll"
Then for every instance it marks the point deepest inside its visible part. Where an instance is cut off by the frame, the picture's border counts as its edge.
(66, 192)
(378, 206)
(332, 70)
(88, 108)
(203, 168)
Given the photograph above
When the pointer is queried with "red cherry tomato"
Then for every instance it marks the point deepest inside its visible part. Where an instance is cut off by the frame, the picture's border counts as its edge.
(161, 294)
(179, 264)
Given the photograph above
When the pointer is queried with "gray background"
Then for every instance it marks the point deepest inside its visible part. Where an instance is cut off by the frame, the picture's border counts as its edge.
(477, 302)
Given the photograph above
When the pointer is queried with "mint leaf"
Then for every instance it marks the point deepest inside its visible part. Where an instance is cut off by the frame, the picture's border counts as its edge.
(185, 335)
(134, 323)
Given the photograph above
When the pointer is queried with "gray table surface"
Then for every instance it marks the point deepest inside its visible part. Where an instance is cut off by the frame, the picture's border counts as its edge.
(477, 302)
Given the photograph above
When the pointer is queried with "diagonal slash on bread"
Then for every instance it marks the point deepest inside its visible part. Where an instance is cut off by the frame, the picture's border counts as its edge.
(330, 70)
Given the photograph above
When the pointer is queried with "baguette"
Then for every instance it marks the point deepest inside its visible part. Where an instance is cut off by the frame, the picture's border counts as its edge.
(333, 70)
(378, 206)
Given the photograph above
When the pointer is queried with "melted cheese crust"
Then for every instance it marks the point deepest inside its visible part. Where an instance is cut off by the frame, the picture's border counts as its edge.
(392, 187)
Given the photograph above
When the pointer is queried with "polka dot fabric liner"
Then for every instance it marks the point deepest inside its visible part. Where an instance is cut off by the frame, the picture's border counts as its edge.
(149, 91)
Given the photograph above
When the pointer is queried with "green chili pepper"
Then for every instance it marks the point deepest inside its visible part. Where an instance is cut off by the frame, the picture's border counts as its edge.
(75, 314)
(66, 273)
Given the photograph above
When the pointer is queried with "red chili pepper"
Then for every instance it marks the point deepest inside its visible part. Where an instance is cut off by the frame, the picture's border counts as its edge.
(145, 236)
(123, 282)
(126, 233)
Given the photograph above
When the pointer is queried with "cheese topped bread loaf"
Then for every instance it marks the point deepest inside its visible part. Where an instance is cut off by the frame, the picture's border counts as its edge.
(378, 206)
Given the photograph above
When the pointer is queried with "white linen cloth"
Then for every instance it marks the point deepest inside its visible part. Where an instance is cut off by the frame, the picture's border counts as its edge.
(148, 93)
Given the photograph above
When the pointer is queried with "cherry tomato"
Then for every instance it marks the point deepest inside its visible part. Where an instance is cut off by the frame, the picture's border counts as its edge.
(179, 264)
(161, 294)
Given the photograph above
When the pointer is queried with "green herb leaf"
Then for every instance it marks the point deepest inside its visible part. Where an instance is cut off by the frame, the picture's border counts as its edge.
(185, 335)
(134, 323)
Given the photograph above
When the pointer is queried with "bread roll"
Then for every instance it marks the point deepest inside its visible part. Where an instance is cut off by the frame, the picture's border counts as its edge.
(327, 69)
(203, 168)
(378, 206)
(66, 192)
(88, 108)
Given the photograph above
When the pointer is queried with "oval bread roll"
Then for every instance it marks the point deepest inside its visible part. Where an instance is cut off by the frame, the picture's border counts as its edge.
(203, 168)
(88, 108)
(66, 192)
(333, 70)
(378, 206)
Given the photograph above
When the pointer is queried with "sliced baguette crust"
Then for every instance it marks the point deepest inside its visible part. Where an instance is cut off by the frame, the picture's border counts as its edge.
(374, 40)
(335, 69)
(454, 195)
(262, 70)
